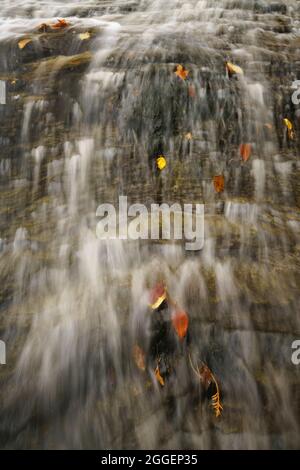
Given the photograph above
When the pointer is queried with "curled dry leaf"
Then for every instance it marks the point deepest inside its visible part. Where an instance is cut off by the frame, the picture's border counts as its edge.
(180, 322)
(245, 151)
(219, 183)
(139, 357)
(161, 162)
(207, 377)
(60, 24)
(157, 295)
(181, 72)
(290, 128)
(159, 378)
(233, 69)
(43, 28)
(216, 404)
(84, 36)
(24, 43)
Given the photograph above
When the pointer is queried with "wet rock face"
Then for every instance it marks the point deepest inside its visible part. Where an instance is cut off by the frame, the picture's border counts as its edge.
(88, 109)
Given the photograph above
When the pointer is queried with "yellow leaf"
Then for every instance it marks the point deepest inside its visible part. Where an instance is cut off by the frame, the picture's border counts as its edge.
(159, 377)
(161, 162)
(189, 136)
(290, 128)
(84, 36)
(288, 124)
(24, 43)
(234, 69)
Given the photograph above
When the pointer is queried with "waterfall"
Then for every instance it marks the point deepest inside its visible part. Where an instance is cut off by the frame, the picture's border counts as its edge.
(85, 111)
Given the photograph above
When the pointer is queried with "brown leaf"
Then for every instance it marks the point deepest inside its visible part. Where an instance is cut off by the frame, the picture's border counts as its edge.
(205, 376)
(192, 91)
(139, 357)
(43, 28)
(245, 151)
(180, 321)
(219, 183)
(181, 72)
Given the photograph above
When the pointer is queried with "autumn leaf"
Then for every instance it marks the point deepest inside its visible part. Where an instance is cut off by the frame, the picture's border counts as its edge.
(290, 128)
(161, 162)
(188, 136)
(181, 72)
(205, 376)
(159, 378)
(233, 69)
(157, 295)
(216, 404)
(24, 43)
(60, 24)
(84, 36)
(139, 357)
(192, 91)
(180, 322)
(245, 151)
(43, 28)
(219, 183)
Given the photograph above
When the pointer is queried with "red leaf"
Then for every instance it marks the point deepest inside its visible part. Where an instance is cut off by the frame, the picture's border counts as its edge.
(219, 183)
(60, 24)
(157, 295)
(245, 151)
(180, 321)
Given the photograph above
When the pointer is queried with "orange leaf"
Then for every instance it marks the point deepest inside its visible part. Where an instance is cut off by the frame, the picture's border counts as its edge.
(159, 377)
(245, 151)
(157, 295)
(60, 24)
(180, 321)
(219, 183)
(139, 357)
(181, 72)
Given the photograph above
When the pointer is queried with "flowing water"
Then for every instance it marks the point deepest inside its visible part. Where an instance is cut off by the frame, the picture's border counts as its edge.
(83, 122)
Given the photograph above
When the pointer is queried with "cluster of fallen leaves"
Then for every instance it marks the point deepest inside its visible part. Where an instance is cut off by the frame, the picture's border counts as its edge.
(180, 323)
(57, 25)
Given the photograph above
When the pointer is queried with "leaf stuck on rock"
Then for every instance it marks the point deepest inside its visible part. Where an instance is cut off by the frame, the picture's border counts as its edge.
(181, 72)
(161, 162)
(245, 151)
(219, 183)
(23, 43)
(180, 322)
